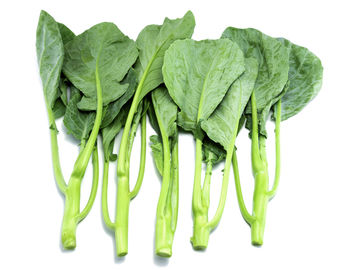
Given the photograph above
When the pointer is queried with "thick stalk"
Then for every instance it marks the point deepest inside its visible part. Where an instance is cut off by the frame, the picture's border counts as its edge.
(123, 198)
(200, 211)
(122, 215)
(175, 184)
(72, 203)
(163, 222)
(167, 228)
(71, 212)
(123, 193)
(259, 165)
(260, 200)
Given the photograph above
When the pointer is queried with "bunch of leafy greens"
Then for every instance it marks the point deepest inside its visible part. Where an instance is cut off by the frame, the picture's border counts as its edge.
(289, 77)
(152, 43)
(198, 74)
(163, 114)
(101, 81)
(92, 65)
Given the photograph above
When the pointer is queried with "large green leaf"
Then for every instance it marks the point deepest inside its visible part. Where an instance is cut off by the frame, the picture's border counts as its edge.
(221, 125)
(304, 78)
(198, 75)
(78, 123)
(272, 57)
(102, 50)
(50, 53)
(152, 43)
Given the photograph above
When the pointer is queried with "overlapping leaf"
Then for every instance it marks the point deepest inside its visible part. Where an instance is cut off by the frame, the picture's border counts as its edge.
(78, 123)
(50, 53)
(198, 75)
(221, 125)
(272, 57)
(102, 50)
(304, 79)
(152, 43)
(166, 109)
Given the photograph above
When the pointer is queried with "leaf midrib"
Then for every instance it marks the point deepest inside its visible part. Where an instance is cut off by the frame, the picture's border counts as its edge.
(203, 88)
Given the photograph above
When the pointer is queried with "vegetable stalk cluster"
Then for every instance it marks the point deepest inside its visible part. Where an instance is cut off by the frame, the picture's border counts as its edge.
(103, 83)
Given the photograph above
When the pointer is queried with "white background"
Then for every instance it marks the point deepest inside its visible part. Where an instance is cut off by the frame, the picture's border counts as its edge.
(308, 223)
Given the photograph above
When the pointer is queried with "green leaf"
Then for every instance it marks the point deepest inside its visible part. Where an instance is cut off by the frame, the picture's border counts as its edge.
(157, 152)
(304, 77)
(212, 151)
(272, 57)
(103, 49)
(113, 108)
(59, 108)
(221, 125)
(50, 53)
(63, 89)
(198, 75)
(78, 123)
(111, 131)
(152, 43)
(66, 34)
(166, 109)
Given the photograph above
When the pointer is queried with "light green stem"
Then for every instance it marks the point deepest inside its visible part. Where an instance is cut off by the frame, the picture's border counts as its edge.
(200, 211)
(123, 192)
(105, 212)
(140, 176)
(216, 219)
(94, 187)
(273, 191)
(175, 184)
(247, 217)
(163, 239)
(166, 227)
(61, 183)
(72, 203)
(259, 165)
(206, 183)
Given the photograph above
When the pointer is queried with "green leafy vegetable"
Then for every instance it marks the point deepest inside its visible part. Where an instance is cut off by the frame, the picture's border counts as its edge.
(50, 53)
(103, 49)
(164, 149)
(101, 81)
(198, 74)
(152, 43)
